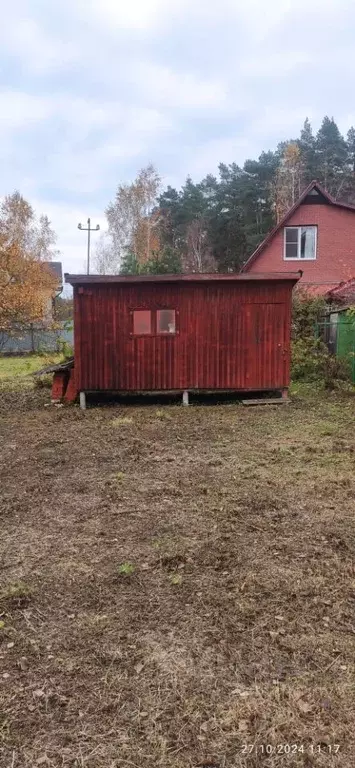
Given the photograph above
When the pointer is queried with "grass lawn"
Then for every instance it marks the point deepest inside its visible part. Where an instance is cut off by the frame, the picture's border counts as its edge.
(15, 371)
(177, 583)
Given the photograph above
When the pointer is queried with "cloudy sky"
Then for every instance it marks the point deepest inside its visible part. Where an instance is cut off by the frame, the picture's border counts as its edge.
(92, 90)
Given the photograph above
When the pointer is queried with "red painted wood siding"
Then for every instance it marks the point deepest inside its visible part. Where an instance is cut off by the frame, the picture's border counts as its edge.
(229, 336)
(335, 247)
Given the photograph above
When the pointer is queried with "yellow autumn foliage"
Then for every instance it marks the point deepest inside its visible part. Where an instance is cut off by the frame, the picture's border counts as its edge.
(26, 285)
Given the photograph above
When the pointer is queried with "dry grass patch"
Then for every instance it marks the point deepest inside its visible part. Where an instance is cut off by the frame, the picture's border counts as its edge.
(198, 599)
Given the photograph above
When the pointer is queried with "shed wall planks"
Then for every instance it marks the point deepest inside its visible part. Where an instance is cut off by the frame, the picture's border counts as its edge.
(228, 336)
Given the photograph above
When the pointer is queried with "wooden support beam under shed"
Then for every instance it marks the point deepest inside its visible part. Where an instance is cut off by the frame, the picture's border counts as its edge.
(266, 401)
(82, 398)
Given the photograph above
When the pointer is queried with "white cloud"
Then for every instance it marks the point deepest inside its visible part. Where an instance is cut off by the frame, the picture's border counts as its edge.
(95, 138)
(280, 121)
(260, 19)
(206, 159)
(173, 89)
(19, 109)
(276, 64)
(132, 14)
(95, 89)
(23, 38)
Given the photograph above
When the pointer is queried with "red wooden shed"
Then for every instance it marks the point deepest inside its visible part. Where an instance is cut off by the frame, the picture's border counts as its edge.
(182, 333)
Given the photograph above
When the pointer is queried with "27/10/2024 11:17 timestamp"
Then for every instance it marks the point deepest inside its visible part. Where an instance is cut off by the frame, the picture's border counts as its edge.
(290, 749)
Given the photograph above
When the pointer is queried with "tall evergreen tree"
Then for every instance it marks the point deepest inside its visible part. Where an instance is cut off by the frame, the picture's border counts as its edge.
(258, 203)
(307, 145)
(169, 209)
(227, 227)
(331, 154)
(350, 145)
(166, 262)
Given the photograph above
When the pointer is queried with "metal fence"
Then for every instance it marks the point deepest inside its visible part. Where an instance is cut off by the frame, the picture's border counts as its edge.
(35, 339)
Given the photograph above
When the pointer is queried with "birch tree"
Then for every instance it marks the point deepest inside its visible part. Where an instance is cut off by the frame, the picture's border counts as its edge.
(132, 222)
(288, 182)
(19, 225)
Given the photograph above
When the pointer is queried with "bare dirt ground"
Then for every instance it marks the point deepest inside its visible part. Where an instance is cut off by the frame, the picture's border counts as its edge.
(177, 584)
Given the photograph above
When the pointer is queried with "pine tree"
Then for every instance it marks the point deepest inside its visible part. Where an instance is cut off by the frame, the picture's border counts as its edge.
(350, 184)
(331, 153)
(169, 208)
(166, 262)
(307, 145)
(350, 144)
(184, 212)
(129, 264)
(258, 210)
(227, 223)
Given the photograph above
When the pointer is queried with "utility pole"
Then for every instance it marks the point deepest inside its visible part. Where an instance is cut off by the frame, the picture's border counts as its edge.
(88, 229)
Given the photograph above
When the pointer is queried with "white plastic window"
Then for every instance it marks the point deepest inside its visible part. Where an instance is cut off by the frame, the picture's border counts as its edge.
(300, 243)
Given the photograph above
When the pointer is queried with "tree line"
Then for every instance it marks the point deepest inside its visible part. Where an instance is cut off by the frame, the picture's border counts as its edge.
(205, 226)
(215, 224)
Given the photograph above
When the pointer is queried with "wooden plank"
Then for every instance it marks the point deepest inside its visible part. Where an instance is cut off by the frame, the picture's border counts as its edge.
(66, 366)
(266, 401)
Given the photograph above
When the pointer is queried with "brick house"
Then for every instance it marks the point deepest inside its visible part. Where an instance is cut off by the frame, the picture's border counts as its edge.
(317, 235)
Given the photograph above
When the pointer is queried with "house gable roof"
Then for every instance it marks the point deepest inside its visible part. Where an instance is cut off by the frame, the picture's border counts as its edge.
(314, 188)
(55, 268)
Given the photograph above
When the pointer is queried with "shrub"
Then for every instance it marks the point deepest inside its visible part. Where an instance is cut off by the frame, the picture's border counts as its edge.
(311, 359)
(308, 359)
(307, 310)
(65, 349)
(336, 370)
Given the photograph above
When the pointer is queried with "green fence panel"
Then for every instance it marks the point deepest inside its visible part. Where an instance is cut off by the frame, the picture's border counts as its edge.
(338, 333)
(346, 340)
